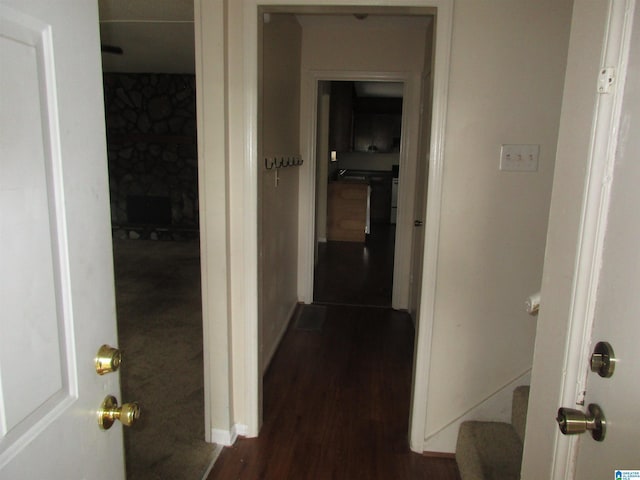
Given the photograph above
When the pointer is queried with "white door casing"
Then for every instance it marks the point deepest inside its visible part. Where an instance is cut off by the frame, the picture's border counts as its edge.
(57, 291)
(308, 177)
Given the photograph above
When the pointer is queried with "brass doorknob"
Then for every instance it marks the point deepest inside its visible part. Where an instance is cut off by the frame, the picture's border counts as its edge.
(127, 413)
(571, 422)
(108, 359)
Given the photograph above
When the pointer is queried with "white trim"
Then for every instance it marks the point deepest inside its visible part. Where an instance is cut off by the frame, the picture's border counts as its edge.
(229, 437)
(224, 437)
(594, 214)
(241, 429)
(250, 225)
(206, 322)
(424, 334)
(307, 197)
(432, 224)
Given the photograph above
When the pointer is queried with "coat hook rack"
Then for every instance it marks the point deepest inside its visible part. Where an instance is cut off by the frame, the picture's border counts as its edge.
(278, 162)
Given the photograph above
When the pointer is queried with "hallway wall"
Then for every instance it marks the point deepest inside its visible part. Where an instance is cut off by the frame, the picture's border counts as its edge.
(278, 196)
(506, 81)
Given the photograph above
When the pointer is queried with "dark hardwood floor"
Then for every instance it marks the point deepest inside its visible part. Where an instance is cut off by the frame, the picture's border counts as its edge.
(352, 273)
(336, 406)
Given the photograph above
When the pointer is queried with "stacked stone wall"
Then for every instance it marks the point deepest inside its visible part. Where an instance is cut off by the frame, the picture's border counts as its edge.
(151, 142)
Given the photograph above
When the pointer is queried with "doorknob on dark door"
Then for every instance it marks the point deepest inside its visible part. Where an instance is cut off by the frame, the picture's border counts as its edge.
(418, 223)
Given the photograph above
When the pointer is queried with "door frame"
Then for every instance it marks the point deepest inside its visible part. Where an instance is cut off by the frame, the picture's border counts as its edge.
(407, 162)
(227, 148)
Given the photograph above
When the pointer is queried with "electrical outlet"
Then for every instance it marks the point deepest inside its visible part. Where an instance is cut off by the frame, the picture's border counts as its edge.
(519, 158)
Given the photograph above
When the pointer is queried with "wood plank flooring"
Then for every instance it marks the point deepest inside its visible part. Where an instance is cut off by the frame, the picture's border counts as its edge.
(336, 406)
(353, 273)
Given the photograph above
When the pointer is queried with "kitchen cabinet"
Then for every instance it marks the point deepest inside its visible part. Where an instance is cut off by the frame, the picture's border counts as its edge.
(363, 124)
(347, 210)
(377, 132)
(341, 117)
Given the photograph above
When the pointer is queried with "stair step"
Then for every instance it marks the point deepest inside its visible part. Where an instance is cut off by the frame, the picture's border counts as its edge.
(488, 451)
(519, 410)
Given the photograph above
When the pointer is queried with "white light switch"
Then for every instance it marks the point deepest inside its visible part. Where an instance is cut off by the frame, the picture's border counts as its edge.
(519, 158)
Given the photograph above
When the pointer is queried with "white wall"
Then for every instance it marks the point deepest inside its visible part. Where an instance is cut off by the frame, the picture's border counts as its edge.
(506, 80)
(278, 198)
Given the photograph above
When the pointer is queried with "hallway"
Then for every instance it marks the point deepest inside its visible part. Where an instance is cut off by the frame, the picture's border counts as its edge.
(336, 405)
(353, 273)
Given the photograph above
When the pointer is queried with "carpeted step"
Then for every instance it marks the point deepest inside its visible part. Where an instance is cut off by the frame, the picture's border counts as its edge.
(488, 451)
(519, 410)
(493, 450)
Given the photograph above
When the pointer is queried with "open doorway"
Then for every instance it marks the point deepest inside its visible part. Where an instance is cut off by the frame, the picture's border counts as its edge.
(157, 276)
(153, 175)
(357, 164)
(342, 339)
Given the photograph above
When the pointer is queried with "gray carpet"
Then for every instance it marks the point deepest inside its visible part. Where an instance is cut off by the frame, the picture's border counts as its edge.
(160, 330)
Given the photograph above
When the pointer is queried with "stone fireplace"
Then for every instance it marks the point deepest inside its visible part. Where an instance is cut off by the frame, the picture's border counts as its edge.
(151, 143)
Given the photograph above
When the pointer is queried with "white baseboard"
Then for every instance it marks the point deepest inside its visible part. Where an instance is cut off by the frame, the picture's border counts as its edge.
(495, 408)
(227, 438)
(241, 429)
(224, 437)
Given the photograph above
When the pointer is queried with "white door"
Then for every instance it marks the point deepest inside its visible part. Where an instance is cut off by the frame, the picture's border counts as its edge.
(56, 275)
(420, 200)
(617, 313)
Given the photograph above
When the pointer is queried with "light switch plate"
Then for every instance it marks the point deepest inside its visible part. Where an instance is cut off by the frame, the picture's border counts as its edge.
(519, 158)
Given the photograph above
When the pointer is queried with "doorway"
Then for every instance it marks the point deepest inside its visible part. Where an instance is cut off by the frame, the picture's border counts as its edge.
(359, 132)
(394, 68)
(238, 115)
(153, 188)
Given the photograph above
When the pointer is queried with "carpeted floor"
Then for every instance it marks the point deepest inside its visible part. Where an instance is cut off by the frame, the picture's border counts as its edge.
(160, 330)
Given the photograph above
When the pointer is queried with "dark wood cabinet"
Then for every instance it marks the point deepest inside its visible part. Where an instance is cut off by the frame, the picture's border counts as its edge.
(363, 124)
(347, 211)
(377, 132)
(380, 201)
(341, 117)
